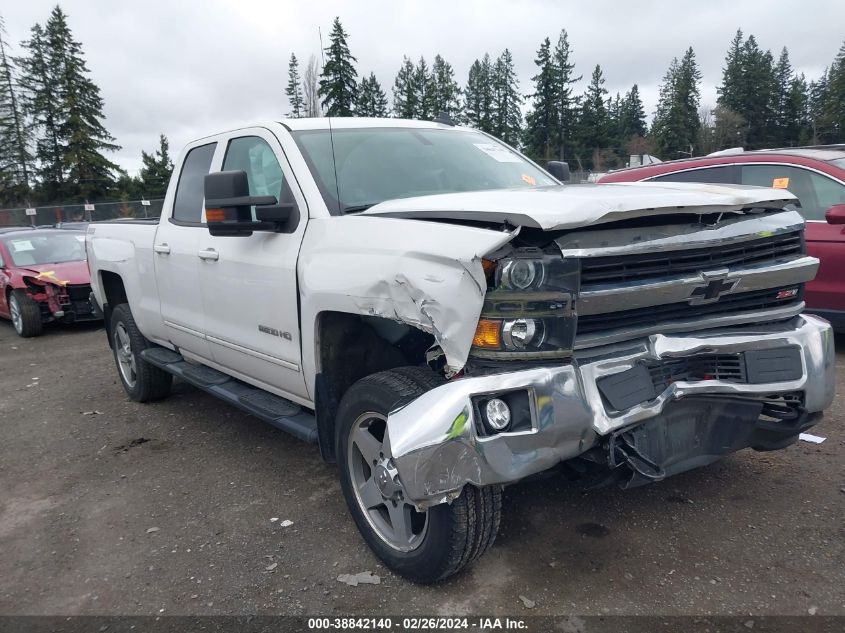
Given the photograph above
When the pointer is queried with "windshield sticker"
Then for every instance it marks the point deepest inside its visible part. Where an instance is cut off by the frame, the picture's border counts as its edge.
(498, 152)
(780, 183)
(22, 246)
(529, 179)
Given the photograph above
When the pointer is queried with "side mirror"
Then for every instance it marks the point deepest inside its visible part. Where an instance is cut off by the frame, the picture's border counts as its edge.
(559, 170)
(835, 214)
(228, 207)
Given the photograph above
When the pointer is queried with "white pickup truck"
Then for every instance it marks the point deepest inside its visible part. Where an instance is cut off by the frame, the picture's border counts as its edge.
(443, 317)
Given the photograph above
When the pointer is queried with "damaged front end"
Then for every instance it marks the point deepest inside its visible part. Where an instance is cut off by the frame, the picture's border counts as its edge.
(59, 300)
(443, 440)
(641, 351)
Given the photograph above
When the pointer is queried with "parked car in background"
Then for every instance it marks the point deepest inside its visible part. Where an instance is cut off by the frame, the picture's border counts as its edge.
(43, 278)
(815, 174)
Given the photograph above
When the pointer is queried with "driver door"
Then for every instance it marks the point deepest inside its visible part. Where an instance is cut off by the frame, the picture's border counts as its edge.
(248, 284)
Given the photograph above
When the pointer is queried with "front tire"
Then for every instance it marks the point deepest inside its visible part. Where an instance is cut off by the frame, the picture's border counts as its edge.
(141, 380)
(26, 314)
(424, 547)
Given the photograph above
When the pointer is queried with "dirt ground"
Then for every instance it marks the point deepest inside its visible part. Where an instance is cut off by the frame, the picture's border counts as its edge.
(113, 507)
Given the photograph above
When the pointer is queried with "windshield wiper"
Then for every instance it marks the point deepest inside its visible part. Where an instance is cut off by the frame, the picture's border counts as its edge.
(355, 208)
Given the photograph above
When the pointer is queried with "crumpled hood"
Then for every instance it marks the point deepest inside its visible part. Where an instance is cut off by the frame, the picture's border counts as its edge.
(573, 206)
(72, 273)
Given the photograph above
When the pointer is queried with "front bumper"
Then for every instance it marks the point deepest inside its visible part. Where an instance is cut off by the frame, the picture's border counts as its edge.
(437, 446)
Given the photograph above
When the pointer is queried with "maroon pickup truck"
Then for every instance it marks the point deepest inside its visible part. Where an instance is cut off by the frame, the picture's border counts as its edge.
(815, 174)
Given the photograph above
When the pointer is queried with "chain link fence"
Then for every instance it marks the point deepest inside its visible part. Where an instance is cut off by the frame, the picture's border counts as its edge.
(59, 213)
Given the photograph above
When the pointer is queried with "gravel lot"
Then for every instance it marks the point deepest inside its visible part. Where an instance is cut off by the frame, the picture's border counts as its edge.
(112, 507)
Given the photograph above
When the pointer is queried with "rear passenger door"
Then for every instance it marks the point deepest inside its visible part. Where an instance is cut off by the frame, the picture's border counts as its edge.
(176, 254)
(249, 285)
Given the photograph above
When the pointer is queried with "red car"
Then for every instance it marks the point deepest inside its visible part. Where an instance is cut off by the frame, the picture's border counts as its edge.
(816, 175)
(43, 277)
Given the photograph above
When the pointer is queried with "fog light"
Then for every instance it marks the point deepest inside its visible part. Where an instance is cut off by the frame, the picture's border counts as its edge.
(522, 333)
(498, 414)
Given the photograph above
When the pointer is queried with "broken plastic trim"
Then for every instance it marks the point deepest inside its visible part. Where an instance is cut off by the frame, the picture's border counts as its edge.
(623, 452)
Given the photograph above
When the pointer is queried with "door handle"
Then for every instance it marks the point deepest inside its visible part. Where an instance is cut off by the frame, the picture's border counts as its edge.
(209, 254)
(164, 249)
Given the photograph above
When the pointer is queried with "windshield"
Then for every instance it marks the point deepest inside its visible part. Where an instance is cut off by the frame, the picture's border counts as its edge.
(839, 162)
(52, 248)
(378, 164)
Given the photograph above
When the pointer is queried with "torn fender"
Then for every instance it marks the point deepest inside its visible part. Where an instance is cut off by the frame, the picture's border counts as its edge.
(424, 274)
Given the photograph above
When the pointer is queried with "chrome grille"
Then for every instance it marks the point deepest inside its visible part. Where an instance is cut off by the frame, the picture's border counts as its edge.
(728, 304)
(596, 271)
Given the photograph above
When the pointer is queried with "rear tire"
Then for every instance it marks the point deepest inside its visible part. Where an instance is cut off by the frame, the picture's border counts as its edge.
(141, 380)
(26, 314)
(435, 544)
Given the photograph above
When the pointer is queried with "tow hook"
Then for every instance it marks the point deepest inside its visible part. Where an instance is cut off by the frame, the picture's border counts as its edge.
(622, 451)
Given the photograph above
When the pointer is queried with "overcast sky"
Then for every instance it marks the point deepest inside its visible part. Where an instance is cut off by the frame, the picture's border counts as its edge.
(188, 68)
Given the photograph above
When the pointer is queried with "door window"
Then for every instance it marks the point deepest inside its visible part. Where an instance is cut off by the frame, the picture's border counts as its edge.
(254, 155)
(187, 207)
(816, 192)
(720, 175)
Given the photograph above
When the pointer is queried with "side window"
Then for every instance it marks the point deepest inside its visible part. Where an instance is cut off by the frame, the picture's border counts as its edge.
(254, 155)
(720, 175)
(187, 207)
(815, 192)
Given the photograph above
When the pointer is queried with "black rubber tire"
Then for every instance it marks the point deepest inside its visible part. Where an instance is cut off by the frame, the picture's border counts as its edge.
(457, 533)
(151, 383)
(31, 323)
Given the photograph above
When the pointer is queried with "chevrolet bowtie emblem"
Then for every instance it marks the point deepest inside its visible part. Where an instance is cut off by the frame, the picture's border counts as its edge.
(714, 287)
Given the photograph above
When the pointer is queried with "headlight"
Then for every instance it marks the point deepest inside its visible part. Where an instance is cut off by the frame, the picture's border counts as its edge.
(522, 274)
(529, 307)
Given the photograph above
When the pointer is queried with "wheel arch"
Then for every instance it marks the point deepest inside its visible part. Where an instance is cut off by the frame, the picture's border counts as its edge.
(349, 347)
(113, 294)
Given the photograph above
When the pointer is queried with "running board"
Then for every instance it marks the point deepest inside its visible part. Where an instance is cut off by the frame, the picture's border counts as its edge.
(283, 414)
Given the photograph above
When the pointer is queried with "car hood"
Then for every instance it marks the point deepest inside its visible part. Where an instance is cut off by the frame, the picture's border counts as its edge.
(572, 206)
(72, 273)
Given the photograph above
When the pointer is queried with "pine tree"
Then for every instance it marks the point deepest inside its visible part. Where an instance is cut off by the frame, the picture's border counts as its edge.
(759, 83)
(473, 106)
(631, 115)
(507, 124)
(81, 130)
(157, 169)
(15, 156)
(541, 123)
(424, 89)
(338, 81)
(405, 104)
(446, 94)
(567, 103)
(42, 100)
(749, 89)
(732, 91)
(675, 128)
(594, 124)
(294, 89)
(371, 101)
(832, 106)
